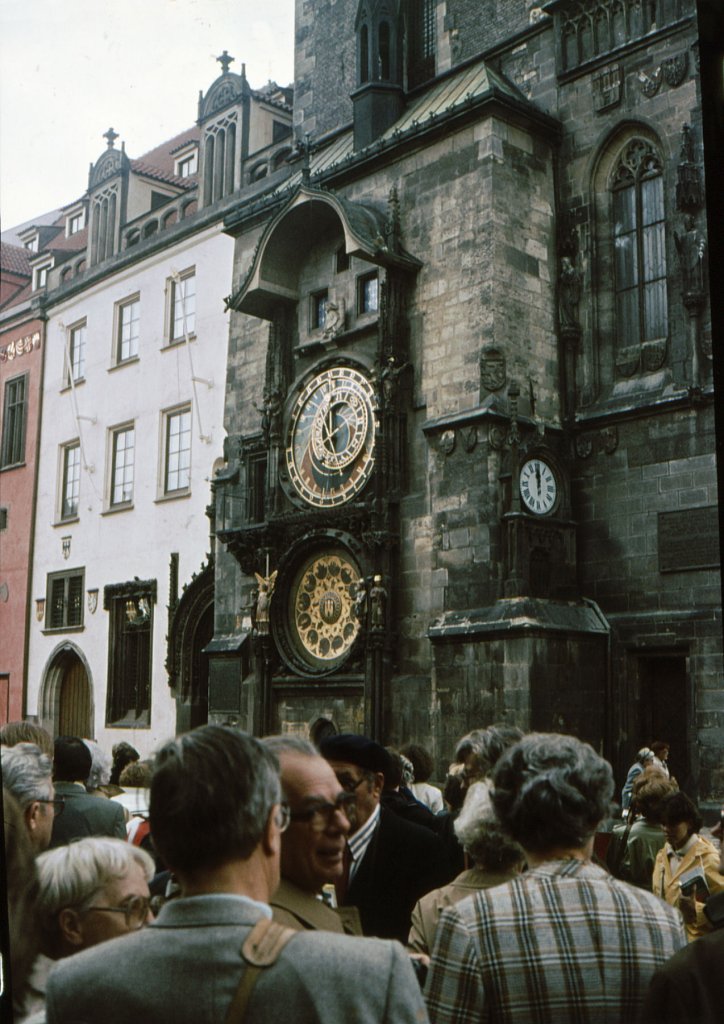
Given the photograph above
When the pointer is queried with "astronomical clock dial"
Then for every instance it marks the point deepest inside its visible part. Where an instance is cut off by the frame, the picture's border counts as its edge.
(321, 607)
(538, 487)
(330, 452)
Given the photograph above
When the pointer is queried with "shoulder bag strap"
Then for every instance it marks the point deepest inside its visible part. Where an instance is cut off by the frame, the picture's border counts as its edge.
(260, 949)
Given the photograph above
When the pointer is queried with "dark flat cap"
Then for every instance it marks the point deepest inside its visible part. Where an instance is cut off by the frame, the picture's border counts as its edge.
(359, 750)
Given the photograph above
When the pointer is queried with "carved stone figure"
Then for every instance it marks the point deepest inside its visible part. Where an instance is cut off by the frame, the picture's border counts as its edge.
(378, 600)
(389, 378)
(333, 318)
(263, 601)
(569, 293)
(360, 601)
(690, 248)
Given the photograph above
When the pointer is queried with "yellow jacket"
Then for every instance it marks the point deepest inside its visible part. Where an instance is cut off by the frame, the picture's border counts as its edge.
(666, 885)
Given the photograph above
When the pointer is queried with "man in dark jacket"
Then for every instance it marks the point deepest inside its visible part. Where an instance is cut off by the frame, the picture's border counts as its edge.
(391, 862)
(83, 814)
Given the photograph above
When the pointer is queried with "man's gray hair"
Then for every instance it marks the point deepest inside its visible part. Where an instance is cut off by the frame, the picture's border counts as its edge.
(480, 833)
(73, 875)
(212, 792)
(551, 791)
(27, 772)
(100, 773)
(290, 744)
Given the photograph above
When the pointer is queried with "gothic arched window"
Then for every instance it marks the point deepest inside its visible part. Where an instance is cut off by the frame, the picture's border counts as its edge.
(639, 239)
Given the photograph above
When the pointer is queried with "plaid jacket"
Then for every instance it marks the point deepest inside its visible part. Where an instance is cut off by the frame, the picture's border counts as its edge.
(564, 942)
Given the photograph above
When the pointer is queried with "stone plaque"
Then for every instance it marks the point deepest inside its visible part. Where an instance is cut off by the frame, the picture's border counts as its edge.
(689, 539)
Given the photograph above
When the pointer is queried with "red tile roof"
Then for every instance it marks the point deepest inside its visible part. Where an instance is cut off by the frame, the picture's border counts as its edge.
(73, 243)
(158, 174)
(161, 157)
(14, 259)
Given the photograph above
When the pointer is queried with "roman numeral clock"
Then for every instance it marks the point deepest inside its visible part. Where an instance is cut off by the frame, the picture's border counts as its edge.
(330, 453)
(540, 534)
(538, 487)
(329, 459)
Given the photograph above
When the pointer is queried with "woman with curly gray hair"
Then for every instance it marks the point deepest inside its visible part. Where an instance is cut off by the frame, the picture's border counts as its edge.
(495, 859)
(563, 941)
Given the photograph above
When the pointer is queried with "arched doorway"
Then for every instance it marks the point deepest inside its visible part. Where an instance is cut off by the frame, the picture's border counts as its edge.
(66, 695)
(191, 628)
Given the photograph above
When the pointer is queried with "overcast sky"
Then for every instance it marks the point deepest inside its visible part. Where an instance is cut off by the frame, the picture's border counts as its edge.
(70, 69)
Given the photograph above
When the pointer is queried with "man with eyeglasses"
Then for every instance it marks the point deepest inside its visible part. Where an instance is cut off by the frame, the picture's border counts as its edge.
(90, 891)
(392, 862)
(27, 773)
(217, 820)
(313, 847)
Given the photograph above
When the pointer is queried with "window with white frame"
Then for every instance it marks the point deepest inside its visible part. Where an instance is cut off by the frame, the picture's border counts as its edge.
(15, 410)
(70, 482)
(40, 276)
(177, 450)
(127, 329)
(31, 244)
(182, 309)
(75, 370)
(122, 458)
(187, 164)
(75, 222)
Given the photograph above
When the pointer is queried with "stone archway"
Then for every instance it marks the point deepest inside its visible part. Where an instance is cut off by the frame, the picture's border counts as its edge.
(66, 705)
(191, 627)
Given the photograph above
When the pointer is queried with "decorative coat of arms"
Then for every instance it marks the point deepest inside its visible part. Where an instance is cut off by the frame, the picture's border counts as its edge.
(492, 369)
(675, 68)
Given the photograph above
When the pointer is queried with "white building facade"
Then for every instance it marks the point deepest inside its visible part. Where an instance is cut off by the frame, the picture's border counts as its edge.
(133, 294)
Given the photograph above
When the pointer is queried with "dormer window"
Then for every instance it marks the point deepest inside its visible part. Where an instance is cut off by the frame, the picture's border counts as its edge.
(187, 164)
(75, 222)
(40, 276)
(31, 244)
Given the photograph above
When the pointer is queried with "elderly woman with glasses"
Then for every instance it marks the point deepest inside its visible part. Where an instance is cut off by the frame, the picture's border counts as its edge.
(564, 941)
(89, 891)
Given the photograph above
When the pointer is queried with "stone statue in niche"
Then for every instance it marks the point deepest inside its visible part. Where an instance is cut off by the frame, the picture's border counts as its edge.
(569, 293)
(690, 248)
(378, 600)
(334, 315)
(271, 414)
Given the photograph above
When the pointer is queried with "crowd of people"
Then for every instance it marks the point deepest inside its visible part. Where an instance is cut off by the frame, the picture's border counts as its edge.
(233, 878)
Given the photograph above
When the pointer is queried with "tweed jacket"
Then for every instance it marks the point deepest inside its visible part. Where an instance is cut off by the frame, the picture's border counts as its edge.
(86, 815)
(185, 967)
(402, 862)
(666, 884)
(426, 913)
(562, 943)
(295, 908)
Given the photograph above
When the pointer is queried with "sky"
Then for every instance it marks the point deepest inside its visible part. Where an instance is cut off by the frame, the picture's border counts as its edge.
(70, 69)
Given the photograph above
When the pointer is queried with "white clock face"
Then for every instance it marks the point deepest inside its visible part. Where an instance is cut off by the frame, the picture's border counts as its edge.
(330, 452)
(538, 487)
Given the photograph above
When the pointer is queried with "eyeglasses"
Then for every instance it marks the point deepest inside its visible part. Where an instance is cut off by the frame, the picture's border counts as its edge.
(348, 783)
(58, 804)
(283, 817)
(319, 814)
(134, 910)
